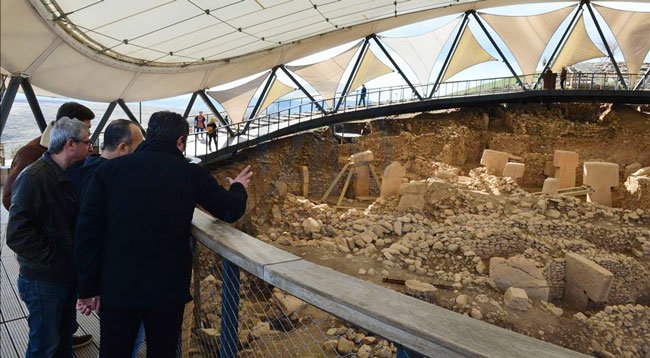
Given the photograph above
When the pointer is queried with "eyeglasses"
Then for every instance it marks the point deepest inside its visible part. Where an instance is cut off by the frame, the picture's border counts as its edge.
(86, 142)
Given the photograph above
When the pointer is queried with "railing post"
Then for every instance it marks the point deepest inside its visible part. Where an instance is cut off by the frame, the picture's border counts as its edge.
(229, 310)
(196, 284)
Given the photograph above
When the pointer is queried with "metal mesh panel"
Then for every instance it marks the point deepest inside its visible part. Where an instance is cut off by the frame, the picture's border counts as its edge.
(270, 322)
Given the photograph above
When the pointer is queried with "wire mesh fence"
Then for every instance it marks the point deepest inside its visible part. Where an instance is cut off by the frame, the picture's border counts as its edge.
(236, 314)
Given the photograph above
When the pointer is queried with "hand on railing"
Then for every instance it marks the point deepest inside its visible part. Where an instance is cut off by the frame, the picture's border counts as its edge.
(244, 178)
(86, 305)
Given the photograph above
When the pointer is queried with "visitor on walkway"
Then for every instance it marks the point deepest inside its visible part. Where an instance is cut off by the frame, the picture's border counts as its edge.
(121, 137)
(212, 134)
(42, 217)
(31, 152)
(140, 269)
(563, 74)
(199, 123)
(362, 98)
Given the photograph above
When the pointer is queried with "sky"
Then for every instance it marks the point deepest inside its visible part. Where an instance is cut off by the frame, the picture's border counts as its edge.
(486, 70)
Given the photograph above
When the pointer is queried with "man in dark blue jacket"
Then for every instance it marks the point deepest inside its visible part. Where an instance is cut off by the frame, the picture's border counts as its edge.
(132, 246)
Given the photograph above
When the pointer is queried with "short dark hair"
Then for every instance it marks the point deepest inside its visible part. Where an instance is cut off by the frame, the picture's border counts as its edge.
(119, 131)
(75, 110)
(167, 127)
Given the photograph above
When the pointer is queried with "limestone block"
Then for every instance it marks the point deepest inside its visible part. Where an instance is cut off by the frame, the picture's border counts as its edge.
(601, 177)
(391, 180)
(516, 299)
(631, 168)
(514, 170)
(310, 225)
(416, 187)
(549, 169)
(551, 186)
(410, 202)
(495, 161)
(418, 288)
(565, 164)
(521, 273)
(593, 279)
(362, 157)
(362, 181)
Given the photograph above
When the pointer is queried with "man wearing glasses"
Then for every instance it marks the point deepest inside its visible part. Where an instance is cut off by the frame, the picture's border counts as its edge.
(42, 220)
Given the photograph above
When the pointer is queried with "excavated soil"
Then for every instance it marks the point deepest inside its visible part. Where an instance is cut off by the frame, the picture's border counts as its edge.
(469, 218)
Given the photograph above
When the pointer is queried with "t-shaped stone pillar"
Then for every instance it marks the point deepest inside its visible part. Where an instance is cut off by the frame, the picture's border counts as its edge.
(551, 186)
(392, 180)
(565, 164)
(601, 177)
(495, 161)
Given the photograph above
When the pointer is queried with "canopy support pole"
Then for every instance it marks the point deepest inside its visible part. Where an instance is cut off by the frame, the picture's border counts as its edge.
(302, 88)
(129, 114)
(392, 61)
(190, 104)
(210, 105)
(642, 79)
(8, 100)
(102, 122)
(609, 50)
(28, 90)
(503, 57)
(454, 44)
(355, 68)
(560, 43)
(262, 97)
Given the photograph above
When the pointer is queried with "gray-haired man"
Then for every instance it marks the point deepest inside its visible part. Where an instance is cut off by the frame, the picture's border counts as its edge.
(42, 218)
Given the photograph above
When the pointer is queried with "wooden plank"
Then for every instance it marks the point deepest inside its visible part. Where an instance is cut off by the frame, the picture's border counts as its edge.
(12, 268)
(11, 303)
(416, 324)
(336, 180)
(345, 187)
(19, 332)
(244, 251)
(7, 349)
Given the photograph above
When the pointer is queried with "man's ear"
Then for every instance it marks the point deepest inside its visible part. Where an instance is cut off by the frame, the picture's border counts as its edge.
(180, 143)
(123, 148)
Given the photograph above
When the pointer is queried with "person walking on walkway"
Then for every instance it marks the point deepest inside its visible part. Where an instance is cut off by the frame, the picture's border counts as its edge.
(199, 123)
(139, 270)
(362, 98)
(563, 74)
(42, 218)
(212, 134)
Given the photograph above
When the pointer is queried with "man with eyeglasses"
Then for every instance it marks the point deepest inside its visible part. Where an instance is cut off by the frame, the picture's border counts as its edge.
(42, 220)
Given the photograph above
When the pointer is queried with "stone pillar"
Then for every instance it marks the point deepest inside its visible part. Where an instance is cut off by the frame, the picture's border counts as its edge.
(514, 170)
(551, 186)
(412, 196)
(391, 180)
(304, 177)
(361, 181)
(565, 164)
(601, 177)
(495, 161)
(587, 282)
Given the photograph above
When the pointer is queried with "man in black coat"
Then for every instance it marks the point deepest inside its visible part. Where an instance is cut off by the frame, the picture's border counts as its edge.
(132, 246)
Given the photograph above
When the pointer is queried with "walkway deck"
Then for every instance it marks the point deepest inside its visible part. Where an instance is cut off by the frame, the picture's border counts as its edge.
(13, 313)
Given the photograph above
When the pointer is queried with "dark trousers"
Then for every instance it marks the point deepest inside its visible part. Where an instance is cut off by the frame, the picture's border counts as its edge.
(212, 138)
(119, 329)
(52, 317)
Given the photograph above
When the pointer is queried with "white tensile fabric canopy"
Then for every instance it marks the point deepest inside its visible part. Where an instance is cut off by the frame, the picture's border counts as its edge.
(325, 76)
(370, 67)
(527, 36)
(467, 54)
(578, 48)
(632, 32)
(421, 52)
(277, 90)
(235, 100)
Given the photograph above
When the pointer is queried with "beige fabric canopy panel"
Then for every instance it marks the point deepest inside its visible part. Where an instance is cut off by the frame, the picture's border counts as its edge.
(235, 100)
(277, 90)
(420, 52)
(578, 48)
(632, 32)
(370, 68)
(325, 76)
(527, 36)
(460, 60)
(82, 53)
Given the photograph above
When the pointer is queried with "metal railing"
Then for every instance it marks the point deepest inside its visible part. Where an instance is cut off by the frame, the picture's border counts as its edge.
(252, 299)
(291, 112)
